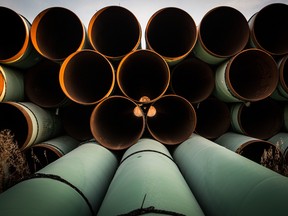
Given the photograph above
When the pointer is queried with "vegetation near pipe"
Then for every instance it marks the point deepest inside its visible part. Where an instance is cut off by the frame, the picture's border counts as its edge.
(213, 118)
(42, 85)
(172, 33)
(28, 122)
(225, 183)
(261, 119)
(57, 32)
(41, 154)
(11, 84)
(148, 182)
(171, 119)
(16, 48)
(249, 147)
(193, 80)
(251, 75)
(117, 122)
(281, 141)
(273, 39)
(87, 77)
(73, 185)
(222, 33)
(143, 75)
(114, 31)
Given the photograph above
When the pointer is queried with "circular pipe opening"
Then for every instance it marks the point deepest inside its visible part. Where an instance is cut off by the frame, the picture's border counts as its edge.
(171, 32)
(171, 119)
(57, 32)
(114, 31)
(283, 73)
(252, 75)
(269, 28)
(193, 80)
(42, 85)
(223, 31)
(14, 40)
(213, 118)
(116, 124)
(87, 77)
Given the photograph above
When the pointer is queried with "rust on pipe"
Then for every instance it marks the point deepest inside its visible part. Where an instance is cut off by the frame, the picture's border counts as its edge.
(117, 122)
(143, 76)
(76, 120)
(42, 85)
(192, 79)
(87, 77)
(249, 76)
(57, 32)
(222, 33)
(213, 118)
(269, 30)
(171, 119)
(172, 33)
(15, 45)
(114, 31)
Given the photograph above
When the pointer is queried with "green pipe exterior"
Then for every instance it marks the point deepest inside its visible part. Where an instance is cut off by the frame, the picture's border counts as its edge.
(225, 183)
(75, 184)
(148, 182)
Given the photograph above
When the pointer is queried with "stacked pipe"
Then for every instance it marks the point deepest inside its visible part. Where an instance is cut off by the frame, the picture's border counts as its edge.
(224, 80)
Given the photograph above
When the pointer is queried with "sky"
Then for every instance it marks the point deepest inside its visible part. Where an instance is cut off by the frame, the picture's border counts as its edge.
(142, 9)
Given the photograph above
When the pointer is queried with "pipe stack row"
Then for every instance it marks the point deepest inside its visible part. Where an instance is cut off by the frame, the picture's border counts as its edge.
(117, 126)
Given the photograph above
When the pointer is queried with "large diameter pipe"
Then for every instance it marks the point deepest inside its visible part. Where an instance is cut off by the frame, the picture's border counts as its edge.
(225, 183)
(273, 39)
(249, 147)
(261, 119)
(172, 33)
(11, 84)
(143, 76)
(43, 153)
(192, 79)
(114, 31)
(42, 85)
(213, 118)
(148, 182)
(222, 33)
(171, 119)
(281, 141)
(29, 122)
(87, 77)
(117, 122)
(251, 75)
(75, 119)
(57, 32)
(73, 185)
(16, 46)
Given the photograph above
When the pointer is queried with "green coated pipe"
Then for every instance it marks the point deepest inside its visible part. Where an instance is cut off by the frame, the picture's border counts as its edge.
(249, 147)
(16, 46)
(225, 183)
(148, 182)
(114, 31)
(75, 184)
(222, 33)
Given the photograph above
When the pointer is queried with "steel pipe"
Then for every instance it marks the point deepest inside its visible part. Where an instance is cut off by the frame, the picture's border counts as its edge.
(143, 76)
(222, 33)
(171, 119)
(273, 39)
(172, 33)
(16, 49)
(148, 182)
(57, 32)
(87, 77)
(114, 31)
(225, 183)
(73, 185)
(117, 122)
(249, 76)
